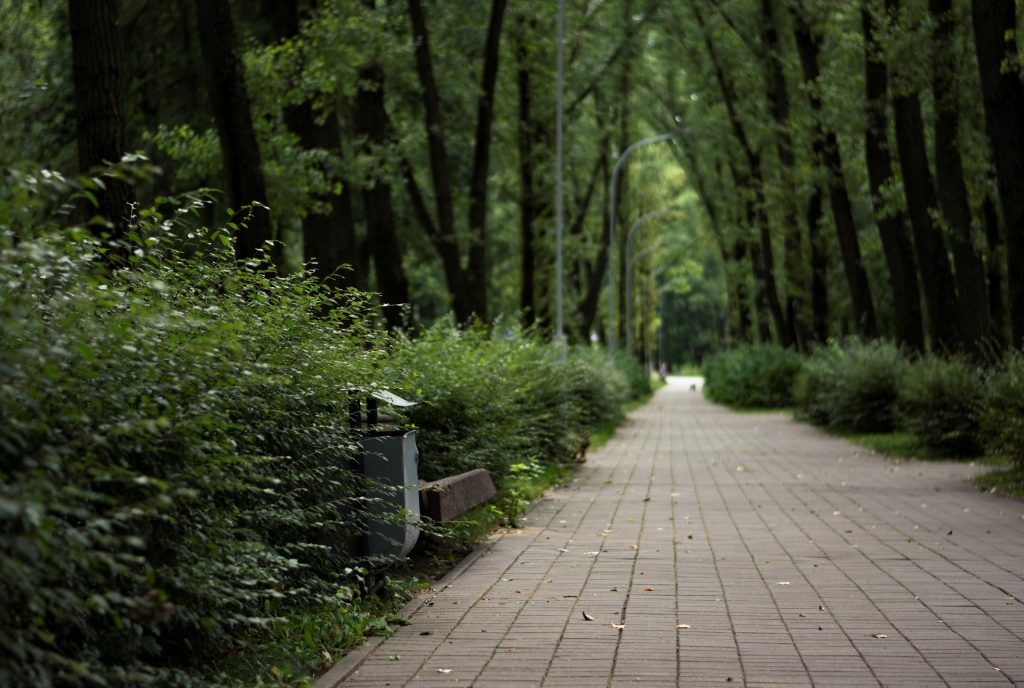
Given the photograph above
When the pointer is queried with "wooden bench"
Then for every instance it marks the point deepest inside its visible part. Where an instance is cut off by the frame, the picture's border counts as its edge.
(449, 498)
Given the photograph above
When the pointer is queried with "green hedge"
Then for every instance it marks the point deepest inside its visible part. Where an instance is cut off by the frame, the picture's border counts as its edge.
(939, 402)
(852, 385)
(752, 376)
(172, 457)
(175, 481)
(492, 401)
(1002, 411)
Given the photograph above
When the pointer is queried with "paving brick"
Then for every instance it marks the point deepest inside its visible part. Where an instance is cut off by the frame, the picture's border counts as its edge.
(784, 549)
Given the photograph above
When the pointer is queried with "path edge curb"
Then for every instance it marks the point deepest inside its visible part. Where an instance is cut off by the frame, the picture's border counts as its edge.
(351, 662)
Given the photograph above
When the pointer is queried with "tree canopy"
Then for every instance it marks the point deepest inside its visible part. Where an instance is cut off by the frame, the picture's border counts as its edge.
(837, 168)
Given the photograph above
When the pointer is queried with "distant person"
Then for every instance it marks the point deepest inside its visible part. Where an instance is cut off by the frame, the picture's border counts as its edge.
(663, 371)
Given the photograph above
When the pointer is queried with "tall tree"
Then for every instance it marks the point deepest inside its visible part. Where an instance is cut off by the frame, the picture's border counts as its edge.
(826, 148)
(752, 178)
(778, 98)
(1002, 90)
(373, 126)
(954, 204)
(328, 238)
(528, 205)
(892, 228)
(240, 152)
(919, 189)
(97, 56)
(467, 285)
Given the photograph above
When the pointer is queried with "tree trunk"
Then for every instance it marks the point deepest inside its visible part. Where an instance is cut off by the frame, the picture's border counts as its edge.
(443, 236)
(588, 306)
(994, 275)
(625, 140)
(753, 180)
(932, 257)
(972, 298)
(328, 239)
(225, 82)
(995, 40)
(932, 254)
(819, 268)
(98, 65)
(529, 148)
(892, 229)
(826, 148)
(476, 276)
(778, 97)
(373, 127)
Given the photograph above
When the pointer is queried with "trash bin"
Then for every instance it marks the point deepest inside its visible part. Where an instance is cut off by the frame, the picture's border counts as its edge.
(389, 457)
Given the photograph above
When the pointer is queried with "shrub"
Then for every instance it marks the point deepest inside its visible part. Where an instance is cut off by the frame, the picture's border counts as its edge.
(492, 401)
(813, 387)
(636, 375)
(172, 456)
(939, 402)
(753, 375)
(1002, 411)
(853, 385)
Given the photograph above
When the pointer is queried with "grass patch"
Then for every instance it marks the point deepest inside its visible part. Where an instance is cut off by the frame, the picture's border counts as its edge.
(600, 435)
(436, 554)
(898, 444)
(1007, 478)
(309, 641)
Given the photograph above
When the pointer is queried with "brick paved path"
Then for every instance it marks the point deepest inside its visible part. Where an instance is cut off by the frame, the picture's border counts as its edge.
(733, 547)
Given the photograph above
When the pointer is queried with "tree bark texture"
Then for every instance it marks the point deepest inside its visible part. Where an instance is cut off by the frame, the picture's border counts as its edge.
(994, 272)
(468, 286)
(954, 205)
(240, 153)
(929, 242)
(767, 294)
(826, 148)
(443, 235)
(995, 22)
(328, 238)
(778, 98)
(98, 65)
(528, 201)
(932, 257)
(477, 275)
(819, 267)
(373, 127)
(892, 228)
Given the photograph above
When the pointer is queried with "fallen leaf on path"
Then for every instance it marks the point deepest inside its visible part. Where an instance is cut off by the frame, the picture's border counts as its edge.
(618, 627)
(444, 671)
(395, 658)
(682, 625)
(587, 617)
(633, 547)
(648, 589)
(676, 494)
(783, 583)
(740, 469)
(879, 635)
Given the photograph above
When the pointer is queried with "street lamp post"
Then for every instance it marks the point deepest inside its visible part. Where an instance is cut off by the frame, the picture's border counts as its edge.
(559, 209)
(613, 211)
(629, 267)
